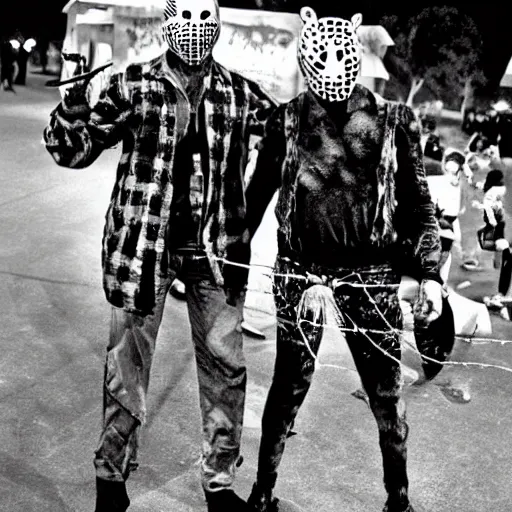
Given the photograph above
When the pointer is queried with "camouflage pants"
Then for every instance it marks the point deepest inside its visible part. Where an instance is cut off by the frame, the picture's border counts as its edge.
(221, 373)
(380, 375)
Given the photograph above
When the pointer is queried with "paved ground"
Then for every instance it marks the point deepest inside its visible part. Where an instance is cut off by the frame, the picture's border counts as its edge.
(54, 336)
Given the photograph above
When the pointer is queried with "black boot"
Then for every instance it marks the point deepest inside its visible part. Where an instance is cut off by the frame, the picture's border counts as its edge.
(225, 500)
(262, 499)
(398, 507)
(111, 496)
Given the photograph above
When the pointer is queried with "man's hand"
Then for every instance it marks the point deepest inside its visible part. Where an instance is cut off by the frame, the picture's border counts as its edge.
(429, 303)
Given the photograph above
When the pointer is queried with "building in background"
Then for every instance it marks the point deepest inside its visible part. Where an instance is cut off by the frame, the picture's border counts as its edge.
(118, 30)
(258, 44)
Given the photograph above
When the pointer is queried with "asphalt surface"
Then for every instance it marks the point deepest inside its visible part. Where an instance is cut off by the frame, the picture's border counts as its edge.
(55, 328)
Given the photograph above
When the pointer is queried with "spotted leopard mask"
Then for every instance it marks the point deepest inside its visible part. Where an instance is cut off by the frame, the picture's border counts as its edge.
(191, 28)
(329, 54)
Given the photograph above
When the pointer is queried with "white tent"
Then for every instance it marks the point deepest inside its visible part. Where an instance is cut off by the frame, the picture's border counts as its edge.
(506, 80)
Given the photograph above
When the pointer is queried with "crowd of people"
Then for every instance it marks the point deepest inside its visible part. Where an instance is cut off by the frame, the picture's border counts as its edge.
(488, 145)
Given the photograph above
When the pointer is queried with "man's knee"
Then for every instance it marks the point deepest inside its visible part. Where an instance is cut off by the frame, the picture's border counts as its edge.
(390, 415)
(116, 454)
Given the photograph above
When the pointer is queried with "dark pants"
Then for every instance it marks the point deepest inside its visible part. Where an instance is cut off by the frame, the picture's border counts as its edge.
(380, 375)
(221, 374)
(505, 272)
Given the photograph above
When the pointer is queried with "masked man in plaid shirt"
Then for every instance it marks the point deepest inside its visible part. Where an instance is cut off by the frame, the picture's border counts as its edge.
(177, 210)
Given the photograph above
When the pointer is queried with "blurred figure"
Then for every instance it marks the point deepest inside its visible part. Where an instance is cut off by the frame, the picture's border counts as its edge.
(450, 205)
(22, 60)
(8, 58)
(468, 124)
(494, 218)
(430, 140)
(505, 128)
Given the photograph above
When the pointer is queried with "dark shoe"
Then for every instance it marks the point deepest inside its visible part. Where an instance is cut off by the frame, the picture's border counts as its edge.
(111, 496)
(398, 508)
(178, 290)
(262, 499)
(225, 501)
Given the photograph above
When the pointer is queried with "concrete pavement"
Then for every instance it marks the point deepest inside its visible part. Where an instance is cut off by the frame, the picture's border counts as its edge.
(55, 326)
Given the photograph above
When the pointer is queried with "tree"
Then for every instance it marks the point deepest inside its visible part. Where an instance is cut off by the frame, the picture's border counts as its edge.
(439, 47)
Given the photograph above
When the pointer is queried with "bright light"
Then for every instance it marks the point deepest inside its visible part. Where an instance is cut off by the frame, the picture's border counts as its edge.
(15, 44)
(29, 44)
(501, 106)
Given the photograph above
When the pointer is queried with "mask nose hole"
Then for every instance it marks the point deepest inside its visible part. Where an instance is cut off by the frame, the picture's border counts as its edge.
(187, 15)
(205, 15)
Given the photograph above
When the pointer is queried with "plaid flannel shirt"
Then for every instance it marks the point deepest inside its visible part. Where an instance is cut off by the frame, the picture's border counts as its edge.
(146, 110)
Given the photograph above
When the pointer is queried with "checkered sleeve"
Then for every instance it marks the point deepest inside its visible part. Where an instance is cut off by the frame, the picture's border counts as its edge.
(77, 134)
(415, 207)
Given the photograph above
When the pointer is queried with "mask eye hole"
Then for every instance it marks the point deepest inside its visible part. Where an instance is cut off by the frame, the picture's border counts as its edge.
(187, 15)
(205, 15)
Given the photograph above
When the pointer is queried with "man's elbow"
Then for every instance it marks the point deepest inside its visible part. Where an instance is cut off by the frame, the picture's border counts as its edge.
(75, 161)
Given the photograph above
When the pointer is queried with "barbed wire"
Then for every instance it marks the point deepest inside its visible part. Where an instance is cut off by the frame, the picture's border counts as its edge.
(366, 332)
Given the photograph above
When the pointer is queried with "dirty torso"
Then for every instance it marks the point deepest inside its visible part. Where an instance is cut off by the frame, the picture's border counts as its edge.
(336, 193)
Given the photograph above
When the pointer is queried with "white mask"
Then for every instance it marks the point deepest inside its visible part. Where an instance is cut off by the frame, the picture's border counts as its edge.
(191, 28)
(330, 54)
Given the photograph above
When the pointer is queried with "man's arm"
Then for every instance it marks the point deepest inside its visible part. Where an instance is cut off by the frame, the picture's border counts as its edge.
(266, 178)
(261, 105)
(261, 186)
(415, 210)
(76, 134)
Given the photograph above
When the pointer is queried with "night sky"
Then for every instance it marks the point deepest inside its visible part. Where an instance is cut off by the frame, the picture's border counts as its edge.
(43, 18)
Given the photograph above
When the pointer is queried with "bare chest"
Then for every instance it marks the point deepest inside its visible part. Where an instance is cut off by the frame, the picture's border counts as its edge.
(340, 157)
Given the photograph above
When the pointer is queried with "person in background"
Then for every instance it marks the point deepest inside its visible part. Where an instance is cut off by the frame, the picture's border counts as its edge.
(494, 215)
(450, 205)
(23, 56)
(8, 63)
(177, 211)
